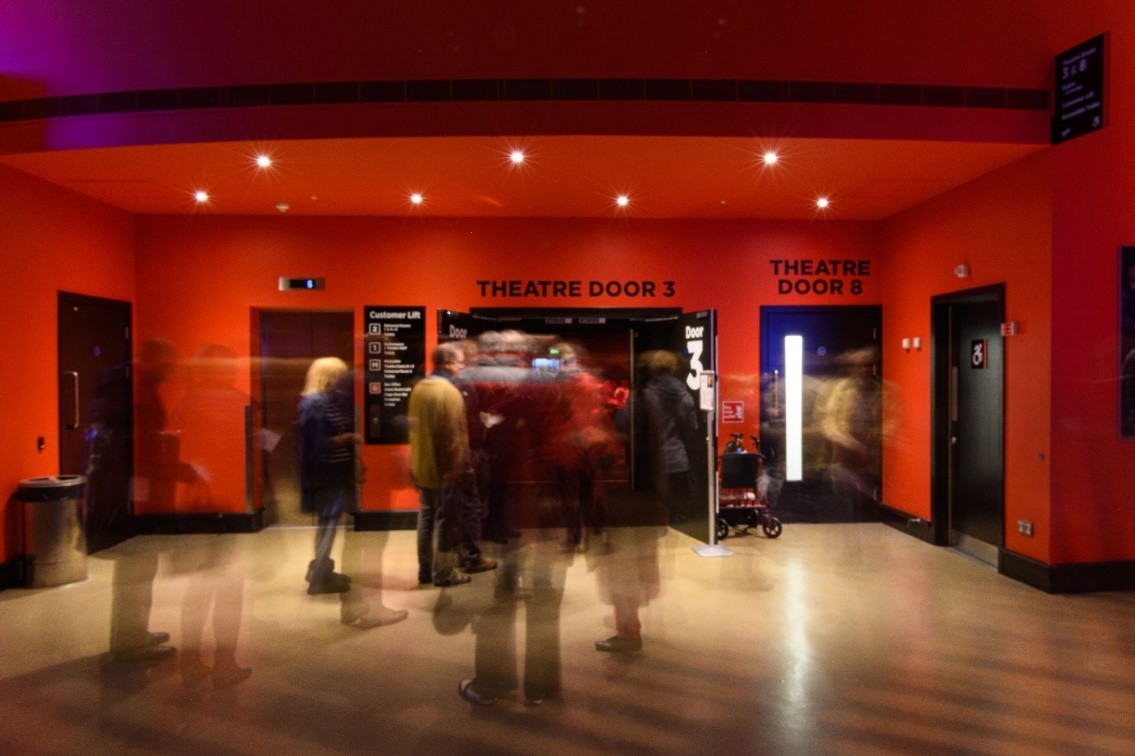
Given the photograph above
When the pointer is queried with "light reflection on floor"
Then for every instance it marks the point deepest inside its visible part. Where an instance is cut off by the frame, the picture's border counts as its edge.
(830, 639)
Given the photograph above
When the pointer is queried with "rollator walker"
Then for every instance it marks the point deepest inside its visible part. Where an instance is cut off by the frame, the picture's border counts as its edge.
(743, 491)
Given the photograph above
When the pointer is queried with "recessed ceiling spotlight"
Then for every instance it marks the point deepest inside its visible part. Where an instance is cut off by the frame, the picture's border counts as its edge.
(770, 157)
(622, 200)
(416, 198)
(283, 207)
(823, 203)
(201, 196)
(263, 161)
(516, 156)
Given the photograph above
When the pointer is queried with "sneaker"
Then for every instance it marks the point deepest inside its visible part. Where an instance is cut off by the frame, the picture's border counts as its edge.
(465, 690)
(481, 565)
(454, 579)
(619, 644)
(367, 620)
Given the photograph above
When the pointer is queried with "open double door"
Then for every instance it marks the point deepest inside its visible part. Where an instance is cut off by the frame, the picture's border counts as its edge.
(615, 343)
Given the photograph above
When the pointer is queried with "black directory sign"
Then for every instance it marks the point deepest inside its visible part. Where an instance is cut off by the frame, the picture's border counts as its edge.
(394, 358)
(1079, 91)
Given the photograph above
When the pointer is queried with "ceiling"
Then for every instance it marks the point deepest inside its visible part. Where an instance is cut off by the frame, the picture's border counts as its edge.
(561, 176)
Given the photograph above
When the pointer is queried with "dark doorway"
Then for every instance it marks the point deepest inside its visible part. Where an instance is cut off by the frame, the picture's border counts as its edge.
(840, 411)
(968, 467)
(289, 341)
(96, 418)
(618, 344)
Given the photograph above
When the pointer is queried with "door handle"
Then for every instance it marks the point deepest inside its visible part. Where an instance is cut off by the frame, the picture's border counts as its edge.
(954, 393)
(74, 376)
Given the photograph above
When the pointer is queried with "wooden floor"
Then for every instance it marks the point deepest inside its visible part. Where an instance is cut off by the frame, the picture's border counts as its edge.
(831, 639)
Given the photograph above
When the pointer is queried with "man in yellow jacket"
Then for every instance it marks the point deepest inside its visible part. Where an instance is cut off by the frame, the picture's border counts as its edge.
(439, 454)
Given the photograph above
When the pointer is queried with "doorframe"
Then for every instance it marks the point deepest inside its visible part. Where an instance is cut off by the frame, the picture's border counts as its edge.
(630, 318)
(765, 360)
(940, 406)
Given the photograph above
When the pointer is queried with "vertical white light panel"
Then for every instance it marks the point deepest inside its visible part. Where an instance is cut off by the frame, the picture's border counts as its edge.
(794, 407)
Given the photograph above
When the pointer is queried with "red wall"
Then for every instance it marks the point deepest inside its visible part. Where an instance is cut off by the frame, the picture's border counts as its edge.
(1001, 226)
(51, 239)
(1094, 181)
(204, 274)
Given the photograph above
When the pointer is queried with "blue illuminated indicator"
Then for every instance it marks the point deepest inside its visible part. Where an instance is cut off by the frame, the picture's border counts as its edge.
(310, 283)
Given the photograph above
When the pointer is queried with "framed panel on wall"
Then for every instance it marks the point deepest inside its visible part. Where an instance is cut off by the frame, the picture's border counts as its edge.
(1127, 342)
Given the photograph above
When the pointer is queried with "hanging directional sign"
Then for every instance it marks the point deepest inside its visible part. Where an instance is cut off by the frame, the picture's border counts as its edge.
(1079, 91)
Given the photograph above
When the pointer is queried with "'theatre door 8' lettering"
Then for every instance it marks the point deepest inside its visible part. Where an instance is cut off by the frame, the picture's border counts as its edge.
(822, 277)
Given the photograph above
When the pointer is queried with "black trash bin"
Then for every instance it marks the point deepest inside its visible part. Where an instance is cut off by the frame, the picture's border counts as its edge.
(57, 543)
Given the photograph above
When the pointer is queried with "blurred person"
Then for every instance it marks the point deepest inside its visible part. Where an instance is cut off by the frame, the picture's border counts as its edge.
(501, 375)
(328, 457)
(109, 444)
(576, 436)
(627, 567)
(211, 421)
(851, 423)
(439, 453)
(468, 504)
(671, 433)
(331, 471)
(497, 657)
(158, 470)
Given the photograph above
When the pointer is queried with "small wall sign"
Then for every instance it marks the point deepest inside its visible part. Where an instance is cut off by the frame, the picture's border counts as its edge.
(979, 354)
(732, 411)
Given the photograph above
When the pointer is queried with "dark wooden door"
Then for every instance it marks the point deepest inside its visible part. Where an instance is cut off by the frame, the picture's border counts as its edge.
(96, 410)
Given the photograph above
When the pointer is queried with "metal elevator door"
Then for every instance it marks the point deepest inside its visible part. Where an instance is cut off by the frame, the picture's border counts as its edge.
(289, 341)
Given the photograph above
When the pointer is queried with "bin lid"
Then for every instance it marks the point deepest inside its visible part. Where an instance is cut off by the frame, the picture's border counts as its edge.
(50, 487)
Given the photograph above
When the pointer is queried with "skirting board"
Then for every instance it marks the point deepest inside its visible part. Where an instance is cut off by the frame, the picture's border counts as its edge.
(12, 574)
(183, 524)
(1068, 578)
(388, 520)
(921, 529)
(1051, 578)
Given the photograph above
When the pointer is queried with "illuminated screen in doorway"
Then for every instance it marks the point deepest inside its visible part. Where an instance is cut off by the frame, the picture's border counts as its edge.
(793, 407)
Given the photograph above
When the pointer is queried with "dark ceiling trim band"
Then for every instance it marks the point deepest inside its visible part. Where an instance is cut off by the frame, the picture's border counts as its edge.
(526, 90)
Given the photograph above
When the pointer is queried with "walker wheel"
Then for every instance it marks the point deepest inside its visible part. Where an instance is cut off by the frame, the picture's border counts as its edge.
(772, 527)
(754, 519)
(722, 529)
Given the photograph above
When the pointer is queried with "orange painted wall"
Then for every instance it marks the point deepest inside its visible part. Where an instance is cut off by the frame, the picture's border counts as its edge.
(203, 275)
(1093, 506)
(1001, 225)
(51, 239)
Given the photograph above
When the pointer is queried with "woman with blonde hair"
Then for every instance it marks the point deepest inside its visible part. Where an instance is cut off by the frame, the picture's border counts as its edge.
(327, 463)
